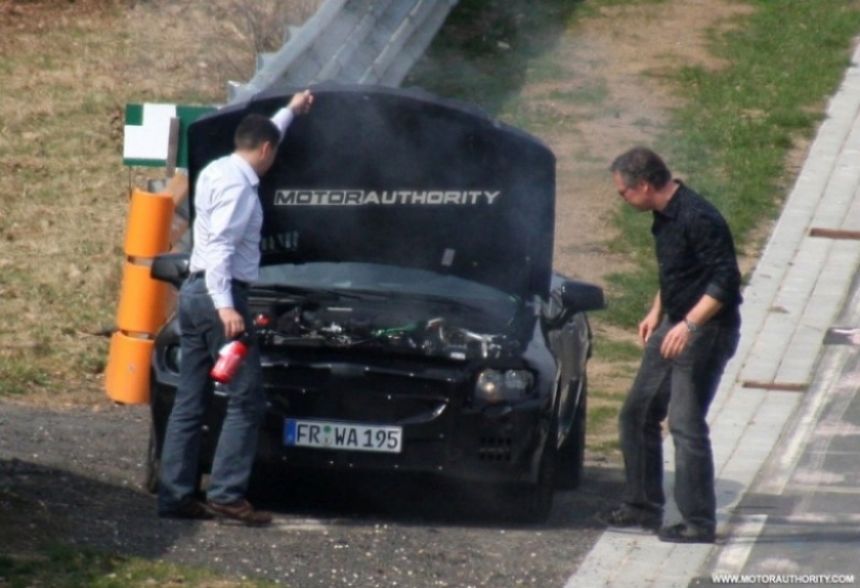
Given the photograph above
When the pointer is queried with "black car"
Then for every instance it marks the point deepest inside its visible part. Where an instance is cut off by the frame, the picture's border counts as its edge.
(407, 311)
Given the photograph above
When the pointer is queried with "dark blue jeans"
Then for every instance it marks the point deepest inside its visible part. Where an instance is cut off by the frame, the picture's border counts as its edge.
(202, 337)
(682, 388)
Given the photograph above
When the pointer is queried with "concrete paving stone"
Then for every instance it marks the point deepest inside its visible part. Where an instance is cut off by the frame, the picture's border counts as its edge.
(831, 215)
(830, 504)
(810, 253)
(729, 491)
(792, 549)
(733, 369)
(805, 345)
(761, 368)
(845, 444)
(852, 142)
(833, 472)
(827, 296)
(777, 326)
(741, 476)
(787, 234)
(841, 108)
(797, 372)
(843, 179)
(757, 442)
(739, 407)
(832, 282)
(774, 336)
(824, 310)
(607, 559)
(840, 461)
(753, 316)
(725, 447)
(787, 230)
(830, 137)
(813, 177)
(740, 471)
(732, 416)
(766, 340)
(852, 217)
(802, 351)
(725, 391)
(792, 298)
(772, 265)
(844, 254)
(809, 336)
(800, 276)
(820, 314)
(725, 433)
(819, 163)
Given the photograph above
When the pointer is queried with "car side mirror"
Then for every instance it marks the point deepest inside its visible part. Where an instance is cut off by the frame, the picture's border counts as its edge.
(171, 268)
(582, 297)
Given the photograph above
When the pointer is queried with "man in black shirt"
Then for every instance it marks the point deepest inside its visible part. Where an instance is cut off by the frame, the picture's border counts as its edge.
(689, 335)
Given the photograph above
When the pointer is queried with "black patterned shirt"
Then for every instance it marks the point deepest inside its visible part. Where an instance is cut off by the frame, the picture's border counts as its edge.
(696, 256)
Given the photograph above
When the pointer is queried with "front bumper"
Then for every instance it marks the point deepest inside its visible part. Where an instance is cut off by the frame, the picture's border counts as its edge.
(443, 432)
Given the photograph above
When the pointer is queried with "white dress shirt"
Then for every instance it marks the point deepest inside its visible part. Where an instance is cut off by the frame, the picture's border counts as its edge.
(227, 223)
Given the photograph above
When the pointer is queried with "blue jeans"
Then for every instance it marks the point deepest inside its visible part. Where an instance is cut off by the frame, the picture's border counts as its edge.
(202, 337)
(683, 388)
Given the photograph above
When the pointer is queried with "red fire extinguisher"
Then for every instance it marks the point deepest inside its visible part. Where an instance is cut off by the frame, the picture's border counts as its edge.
(230, 359)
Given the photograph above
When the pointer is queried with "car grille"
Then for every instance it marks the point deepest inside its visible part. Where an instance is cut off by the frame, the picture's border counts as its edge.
(359, 396)
(496, 449)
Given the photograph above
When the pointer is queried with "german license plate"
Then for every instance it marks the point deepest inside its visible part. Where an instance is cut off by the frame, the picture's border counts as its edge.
(342, 436)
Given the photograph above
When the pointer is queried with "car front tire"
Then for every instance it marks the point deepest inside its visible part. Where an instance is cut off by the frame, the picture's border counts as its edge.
(532, 503)
(571, 454)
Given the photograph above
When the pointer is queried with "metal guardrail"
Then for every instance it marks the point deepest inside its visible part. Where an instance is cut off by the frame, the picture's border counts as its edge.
(350, 41)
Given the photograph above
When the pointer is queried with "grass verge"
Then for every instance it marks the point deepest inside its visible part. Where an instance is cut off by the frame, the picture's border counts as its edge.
(65, 567)
(732, 137)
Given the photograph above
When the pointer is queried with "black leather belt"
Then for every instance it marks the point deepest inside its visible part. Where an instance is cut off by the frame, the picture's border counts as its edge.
(202, 274)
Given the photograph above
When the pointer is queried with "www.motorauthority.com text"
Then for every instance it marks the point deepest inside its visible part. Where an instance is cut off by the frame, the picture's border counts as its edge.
(769, 579)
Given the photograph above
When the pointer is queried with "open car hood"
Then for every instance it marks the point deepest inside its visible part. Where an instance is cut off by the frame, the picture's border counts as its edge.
(402, 178)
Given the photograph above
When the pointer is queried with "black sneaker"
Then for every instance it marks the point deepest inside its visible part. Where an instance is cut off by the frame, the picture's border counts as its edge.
(190, 510)
(630, 516)
(684, 533)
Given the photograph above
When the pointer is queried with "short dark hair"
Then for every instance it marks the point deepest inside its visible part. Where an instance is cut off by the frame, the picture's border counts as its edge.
(254, 130)
(641, 164)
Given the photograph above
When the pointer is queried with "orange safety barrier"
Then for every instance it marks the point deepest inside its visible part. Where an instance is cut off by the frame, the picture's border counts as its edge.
(144, 302)
(127, 374)
(149, 221)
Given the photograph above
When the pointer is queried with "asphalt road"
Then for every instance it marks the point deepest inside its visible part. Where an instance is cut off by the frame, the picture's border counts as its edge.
(84, 468)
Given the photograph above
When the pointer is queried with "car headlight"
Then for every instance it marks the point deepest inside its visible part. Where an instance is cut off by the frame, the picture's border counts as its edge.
(504, 386)
(173, 358)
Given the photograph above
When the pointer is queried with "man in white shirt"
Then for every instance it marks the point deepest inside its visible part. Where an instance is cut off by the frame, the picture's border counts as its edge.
(213, 308)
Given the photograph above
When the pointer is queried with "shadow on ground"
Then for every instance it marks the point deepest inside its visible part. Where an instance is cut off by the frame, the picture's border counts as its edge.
(431, 500)
(41, 505)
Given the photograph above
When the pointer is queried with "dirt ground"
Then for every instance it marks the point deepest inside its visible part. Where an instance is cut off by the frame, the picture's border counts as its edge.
(67, 69)
(626, 50)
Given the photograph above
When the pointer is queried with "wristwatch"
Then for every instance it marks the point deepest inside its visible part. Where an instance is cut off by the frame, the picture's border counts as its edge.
(691, 326)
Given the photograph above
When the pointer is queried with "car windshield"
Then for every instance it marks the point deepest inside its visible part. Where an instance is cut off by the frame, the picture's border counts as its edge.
(388, 280)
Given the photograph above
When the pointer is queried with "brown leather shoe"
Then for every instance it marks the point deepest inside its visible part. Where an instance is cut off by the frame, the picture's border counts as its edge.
(241, 511)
